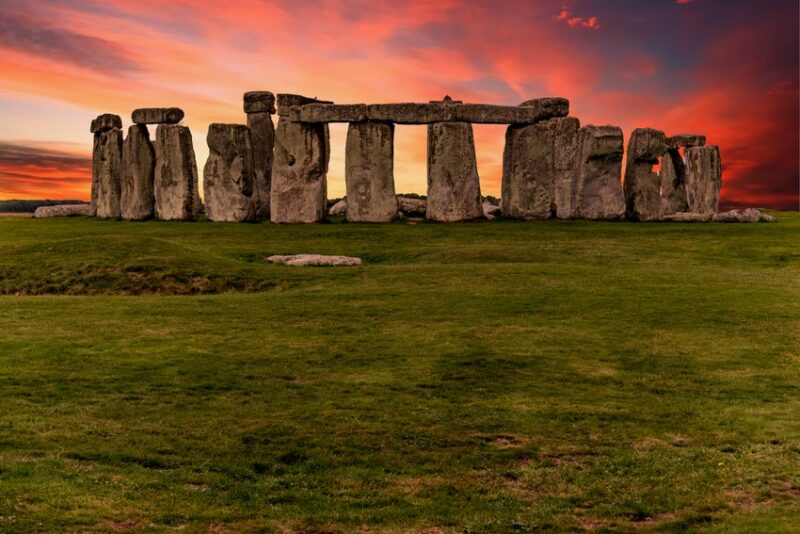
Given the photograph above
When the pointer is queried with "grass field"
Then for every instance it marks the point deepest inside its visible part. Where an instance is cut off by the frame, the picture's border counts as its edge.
(489, 377)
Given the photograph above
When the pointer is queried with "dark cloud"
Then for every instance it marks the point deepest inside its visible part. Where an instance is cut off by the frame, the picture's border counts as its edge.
(31, 170)
(36, 37)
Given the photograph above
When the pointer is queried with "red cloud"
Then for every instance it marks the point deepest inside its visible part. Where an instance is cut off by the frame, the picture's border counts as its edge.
(577, 22)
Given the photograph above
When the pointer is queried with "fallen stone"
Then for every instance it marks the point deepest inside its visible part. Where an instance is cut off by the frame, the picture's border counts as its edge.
(598, 193)
(107, 173)
(369, 172)
(539, 169)
(316, 260)
(412, 207)
(299, 173)
(673, 183)
(643, 186)
(703, 178)
(686, 141)
(228, 174)
(329, 113)
(138, 175)
(64, 210)
(157, 116)
(339, 209)
(454, 190)
(287, 101)
(491, 210)
(259, 102)
(687, 217)
(748, 215)
(105, 122)
(176, 184)
(263, 134)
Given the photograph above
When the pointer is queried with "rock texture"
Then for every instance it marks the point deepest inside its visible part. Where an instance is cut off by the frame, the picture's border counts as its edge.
(642, 185)
(299, 173)
(64, 210)
(316, 260)
(259, 102)
(688, 217)
(529, 112)
(176, 186)
(157, 116)
(539, 169)
(369, 172)
(491, 210)
(673, 183)
(598, 193)
(106, 122)
(686, 141)
(287, 101)
(263, 132)
(703, 179)
(107, 173)
(454, 190)
(339, 209)
(228, 174)
(138, 174)
(749, 215)
(412, 207)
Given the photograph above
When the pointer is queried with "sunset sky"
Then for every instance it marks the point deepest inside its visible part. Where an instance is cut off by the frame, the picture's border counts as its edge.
(726, 68)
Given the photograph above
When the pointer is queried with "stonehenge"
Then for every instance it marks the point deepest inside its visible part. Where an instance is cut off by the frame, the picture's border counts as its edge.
(369, 172)
(552, 167)
(138, 175)
(107, 166)
(642, 185)
(228, 174)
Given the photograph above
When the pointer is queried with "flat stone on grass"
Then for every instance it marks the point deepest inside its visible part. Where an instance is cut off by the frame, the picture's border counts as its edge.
(315, 260)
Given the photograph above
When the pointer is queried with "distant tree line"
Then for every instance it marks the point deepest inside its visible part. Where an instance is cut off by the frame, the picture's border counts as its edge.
(29, 206)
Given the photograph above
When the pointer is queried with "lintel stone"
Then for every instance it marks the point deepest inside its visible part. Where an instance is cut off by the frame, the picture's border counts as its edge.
(287, 101)
(157, 116)
(259, 102)
(686, 141)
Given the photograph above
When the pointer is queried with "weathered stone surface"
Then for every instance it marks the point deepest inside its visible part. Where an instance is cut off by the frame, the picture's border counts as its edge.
(263, 133)
(449, 111)
(339, 209)
(454, 190)
(686, 141)
(369, 172)
(259, 102)
(107, 173)
(673, 183)
(64, 210)
(749, 215)
(138, 175)
(329, 113)
(299, 172)
(687, 217)
(105, 122)
(157, 116)
(703, 178)
(287, 101)
(491, 210)
(539, 169)
(176, 184)
(316, 260)
(642, 185)
(228, 174)
(598, 193)
(412, 207)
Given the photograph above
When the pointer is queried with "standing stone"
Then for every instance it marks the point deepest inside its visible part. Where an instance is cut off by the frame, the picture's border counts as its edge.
(598, 194)
(107, 167)
(703, 178)
(176, 187)
(369, 172)
(228, 174)
(138, 174)
(642, 185)
(299, 173)
(454, 189)
(263, 134)
(673, 183)
(539, 169)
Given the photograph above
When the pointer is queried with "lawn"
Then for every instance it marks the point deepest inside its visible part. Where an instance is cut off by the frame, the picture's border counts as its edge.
(488, 377)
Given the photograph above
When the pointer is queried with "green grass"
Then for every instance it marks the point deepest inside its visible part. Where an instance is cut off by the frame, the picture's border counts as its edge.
(495, 377)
